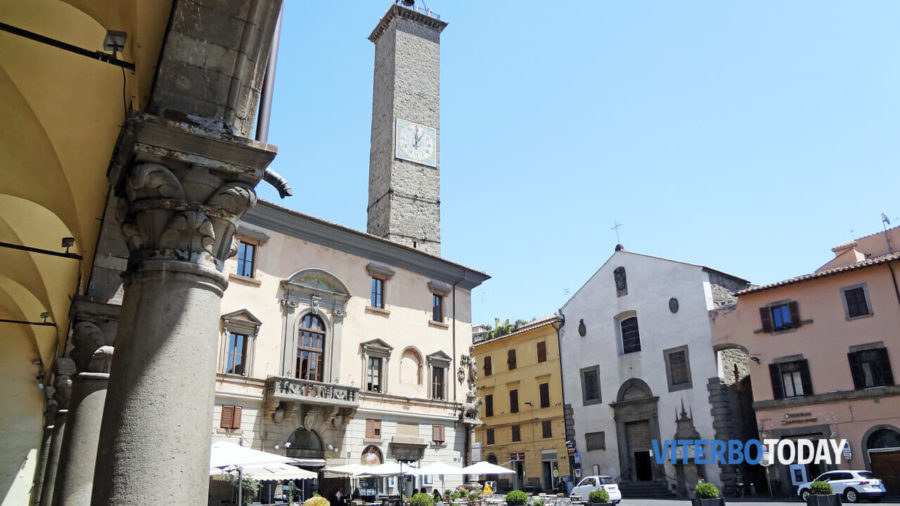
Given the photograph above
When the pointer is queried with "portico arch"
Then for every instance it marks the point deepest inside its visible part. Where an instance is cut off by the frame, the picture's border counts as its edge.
(637, 424)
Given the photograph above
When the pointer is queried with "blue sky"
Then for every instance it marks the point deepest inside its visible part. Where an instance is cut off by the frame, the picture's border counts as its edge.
(750, 137)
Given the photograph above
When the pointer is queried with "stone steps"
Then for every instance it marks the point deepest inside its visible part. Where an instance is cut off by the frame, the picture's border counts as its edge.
(645, 490)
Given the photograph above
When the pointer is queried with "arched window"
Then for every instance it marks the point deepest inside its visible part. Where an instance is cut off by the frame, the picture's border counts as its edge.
(310, 348)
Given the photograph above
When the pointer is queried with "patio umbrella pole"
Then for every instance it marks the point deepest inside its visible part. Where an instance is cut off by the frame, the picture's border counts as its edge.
(240, 484)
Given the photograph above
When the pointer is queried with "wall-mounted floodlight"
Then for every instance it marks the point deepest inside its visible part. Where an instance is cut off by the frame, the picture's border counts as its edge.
(114, 41)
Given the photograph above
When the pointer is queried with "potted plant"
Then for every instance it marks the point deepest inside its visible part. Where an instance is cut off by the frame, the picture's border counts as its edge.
(821, 494)
(598, 496)
(516, 498)
(537, 502)
(707, 494)
(421, 499)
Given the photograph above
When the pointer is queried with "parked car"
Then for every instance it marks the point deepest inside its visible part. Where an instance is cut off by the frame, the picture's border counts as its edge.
(591, 483)
(852, 485)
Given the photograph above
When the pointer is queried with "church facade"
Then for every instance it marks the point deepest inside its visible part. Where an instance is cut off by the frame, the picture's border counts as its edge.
(638, 365)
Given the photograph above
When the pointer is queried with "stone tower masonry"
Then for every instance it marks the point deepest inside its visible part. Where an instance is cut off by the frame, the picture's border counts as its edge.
(404, 190)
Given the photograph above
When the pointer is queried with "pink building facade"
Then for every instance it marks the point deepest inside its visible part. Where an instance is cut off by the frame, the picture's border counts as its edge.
(824, 354)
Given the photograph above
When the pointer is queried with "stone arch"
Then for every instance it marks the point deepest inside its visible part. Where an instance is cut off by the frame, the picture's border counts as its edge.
(875, 438)
(634, 389)
(371, 456)
(317, 280)
(305, 444)
(411, 367)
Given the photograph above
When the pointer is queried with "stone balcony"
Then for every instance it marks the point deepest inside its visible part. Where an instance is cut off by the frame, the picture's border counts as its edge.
(283, 396)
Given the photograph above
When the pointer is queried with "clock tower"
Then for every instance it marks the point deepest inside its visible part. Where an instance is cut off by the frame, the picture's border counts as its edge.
(404, 161)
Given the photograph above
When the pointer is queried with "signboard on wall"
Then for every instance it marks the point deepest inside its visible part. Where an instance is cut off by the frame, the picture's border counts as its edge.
(517, 456)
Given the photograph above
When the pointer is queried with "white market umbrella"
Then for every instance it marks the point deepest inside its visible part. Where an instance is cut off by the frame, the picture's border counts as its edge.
(272, 472)
(438, 468)
(348, 469)
(388, 469)
(486, 468)
(224, 454)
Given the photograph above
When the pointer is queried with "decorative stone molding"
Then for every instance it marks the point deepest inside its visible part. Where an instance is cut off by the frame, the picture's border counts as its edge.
(439, 288)
(284, 396)
(252, 234)
(241, 322)
(380, 271)
(91, 353)
(377, 348)
(182, 190)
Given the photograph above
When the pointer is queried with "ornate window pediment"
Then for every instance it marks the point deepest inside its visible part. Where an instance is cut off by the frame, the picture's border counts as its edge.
(377, 348)
(316, 282)
(440, 359)
(242, 322)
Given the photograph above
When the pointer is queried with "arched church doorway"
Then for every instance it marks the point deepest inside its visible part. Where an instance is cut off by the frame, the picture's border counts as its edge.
(637, 425)
(883, 446)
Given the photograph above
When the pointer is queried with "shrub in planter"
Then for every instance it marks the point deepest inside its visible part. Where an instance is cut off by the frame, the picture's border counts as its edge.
(821, 494)
(599, 496)
(707, 494)
(516, 498)
(421, 499)
(537, 502)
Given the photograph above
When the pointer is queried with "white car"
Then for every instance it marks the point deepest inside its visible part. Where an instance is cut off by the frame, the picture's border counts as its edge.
(852, 485)
(591, 483)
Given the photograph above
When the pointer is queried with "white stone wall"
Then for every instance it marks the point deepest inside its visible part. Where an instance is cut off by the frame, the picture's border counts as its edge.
(651, 283)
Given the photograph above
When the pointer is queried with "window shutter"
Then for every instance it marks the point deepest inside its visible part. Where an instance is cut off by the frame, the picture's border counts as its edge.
(775, 373)
(227, 417)
(545, 395)
(514, 401)
(236, 418)
(856, 371)
(885, 364)
(542, 351)
(489, 405)
(377, 427)
(805, 380)
(765, 315)
(511, 359)
(795, 314)
(487, 366)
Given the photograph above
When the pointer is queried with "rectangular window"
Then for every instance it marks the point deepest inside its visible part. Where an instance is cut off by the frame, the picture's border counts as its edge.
(513, 401)
(488, 368)
(489, 405)
(246, 259)
(511, 359)
(780, 316)
(595, 441)
(231, 417)
(678, 368)
(235, 361)
(856, 302)
(377, 293)
(542, 351)
(590, 385)
(631, 336)
(547, 429)
(373, 429)
(437, 383)
(790, 379)
(516, 434)
(437, 308)
(545, 394)
(373, 375)
(870, 368)
(490, 436)
(437, 434)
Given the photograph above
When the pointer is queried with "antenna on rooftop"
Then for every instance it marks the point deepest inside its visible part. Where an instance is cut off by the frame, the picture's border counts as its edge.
(884, 223)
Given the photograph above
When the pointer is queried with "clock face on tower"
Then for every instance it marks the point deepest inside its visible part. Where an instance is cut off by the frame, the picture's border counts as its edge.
(416, 143)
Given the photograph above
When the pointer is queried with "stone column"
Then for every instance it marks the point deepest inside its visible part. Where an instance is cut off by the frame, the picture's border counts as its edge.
(182, 189)
(75, 476)
(58, 397)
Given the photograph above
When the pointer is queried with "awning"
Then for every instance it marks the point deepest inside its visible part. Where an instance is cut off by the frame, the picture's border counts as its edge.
(223, 454)
(273, 472)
